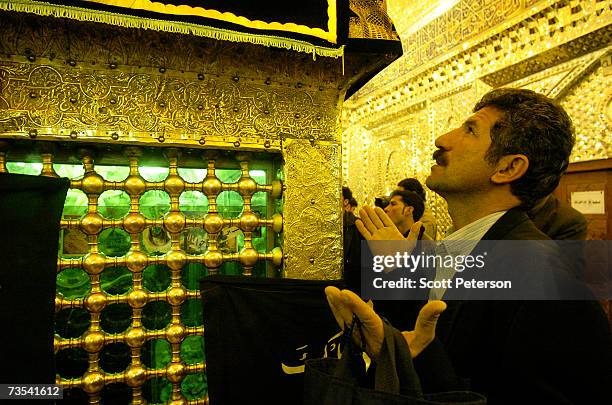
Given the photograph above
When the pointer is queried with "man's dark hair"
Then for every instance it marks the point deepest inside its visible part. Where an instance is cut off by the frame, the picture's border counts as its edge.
(347, 194)
(413, 185)
(413, 200)
(353, 202)
(537, 127)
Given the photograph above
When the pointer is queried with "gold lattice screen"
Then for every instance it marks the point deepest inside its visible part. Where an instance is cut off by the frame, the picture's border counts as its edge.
(143, 330)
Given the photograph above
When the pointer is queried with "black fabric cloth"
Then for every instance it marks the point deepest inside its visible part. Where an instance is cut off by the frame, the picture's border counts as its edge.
(352, 252)
(30, 213)
(341, 382)
(541, 352)
(258, 334)
(311, 14)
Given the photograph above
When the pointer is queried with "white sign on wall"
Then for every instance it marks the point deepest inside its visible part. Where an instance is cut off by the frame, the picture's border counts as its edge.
(589, 202)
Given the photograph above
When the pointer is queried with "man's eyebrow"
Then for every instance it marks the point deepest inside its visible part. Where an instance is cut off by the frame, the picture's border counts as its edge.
(470, 122)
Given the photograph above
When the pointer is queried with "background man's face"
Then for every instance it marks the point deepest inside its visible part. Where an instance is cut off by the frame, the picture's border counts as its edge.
(460, 161)
(399, 212)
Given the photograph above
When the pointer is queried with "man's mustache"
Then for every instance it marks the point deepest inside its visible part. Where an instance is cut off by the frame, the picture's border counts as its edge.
(439, 157)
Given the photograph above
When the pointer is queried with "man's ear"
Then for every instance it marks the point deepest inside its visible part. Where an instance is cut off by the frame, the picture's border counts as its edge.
(408, 209)
(510, 168)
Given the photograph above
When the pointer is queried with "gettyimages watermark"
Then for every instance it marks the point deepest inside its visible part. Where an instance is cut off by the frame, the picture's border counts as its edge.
(486, 270)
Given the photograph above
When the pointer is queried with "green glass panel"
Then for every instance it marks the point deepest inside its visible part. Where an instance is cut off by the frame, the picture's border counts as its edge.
(230, 269)
(113, 173)
(192, 349)
(156, 353)
(156, 278)
(228, 175)
(75, 205)
(194, 386)
(113, 204)
(114, 242)
(193, 204)
(71, 362)
(73, 283)
(156, 315)
(230, 204)
(157, 390)
(116, 280)
(154, 204)
(115, 357)
(259, 176)
(116, 318)
(191, 275)
(191, 312)
(72, 322)
(70, 171)
(154, 173)
(192, 175)
(32, 169)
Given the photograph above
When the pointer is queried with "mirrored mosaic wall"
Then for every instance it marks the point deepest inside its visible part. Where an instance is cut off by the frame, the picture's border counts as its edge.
(559, 48)
(139, 230)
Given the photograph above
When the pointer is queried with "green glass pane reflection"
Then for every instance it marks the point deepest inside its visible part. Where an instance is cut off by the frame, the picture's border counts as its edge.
(193, 204)
(71, 362)
(116, 280)
(72, 322)
(116, 318)
(194, 386)
(114, 242)
(157, 390)
(192, 349)
(114, 204)
(191, 275)
(115, 357)
(113, 173)
(156, 315)
(156, 353)
(75, 205)
(230, 269)
(154, 173)
(32, 169)
(230, 204)
(192, 175)
(191, 312)
(156, 278)
(228, 175)
(258, 175)
(154, 204)
(70, 171)
(73, 283)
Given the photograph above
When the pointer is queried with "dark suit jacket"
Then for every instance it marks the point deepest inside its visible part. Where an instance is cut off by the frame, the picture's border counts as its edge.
(517, 352)
(558, 220)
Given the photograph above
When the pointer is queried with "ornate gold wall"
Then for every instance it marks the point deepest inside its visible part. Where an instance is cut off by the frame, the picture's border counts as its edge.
(561, 48)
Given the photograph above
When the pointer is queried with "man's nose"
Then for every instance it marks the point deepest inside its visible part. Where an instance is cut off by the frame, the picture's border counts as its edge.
(443, 141)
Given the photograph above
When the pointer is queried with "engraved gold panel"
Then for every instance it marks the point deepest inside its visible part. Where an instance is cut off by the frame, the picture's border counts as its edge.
(91, 82)
(312, 212)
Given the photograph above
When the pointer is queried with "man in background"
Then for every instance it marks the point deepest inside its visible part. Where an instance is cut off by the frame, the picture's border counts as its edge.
(428, 219)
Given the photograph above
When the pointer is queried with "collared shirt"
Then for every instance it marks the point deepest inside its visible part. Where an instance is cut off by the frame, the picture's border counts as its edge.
(461, 243)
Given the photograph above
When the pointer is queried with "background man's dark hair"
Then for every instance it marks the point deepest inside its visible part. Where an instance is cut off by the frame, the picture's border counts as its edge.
(413, 185)
(412, 199)
(535, 126)
(347, 194)
(353, 202)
